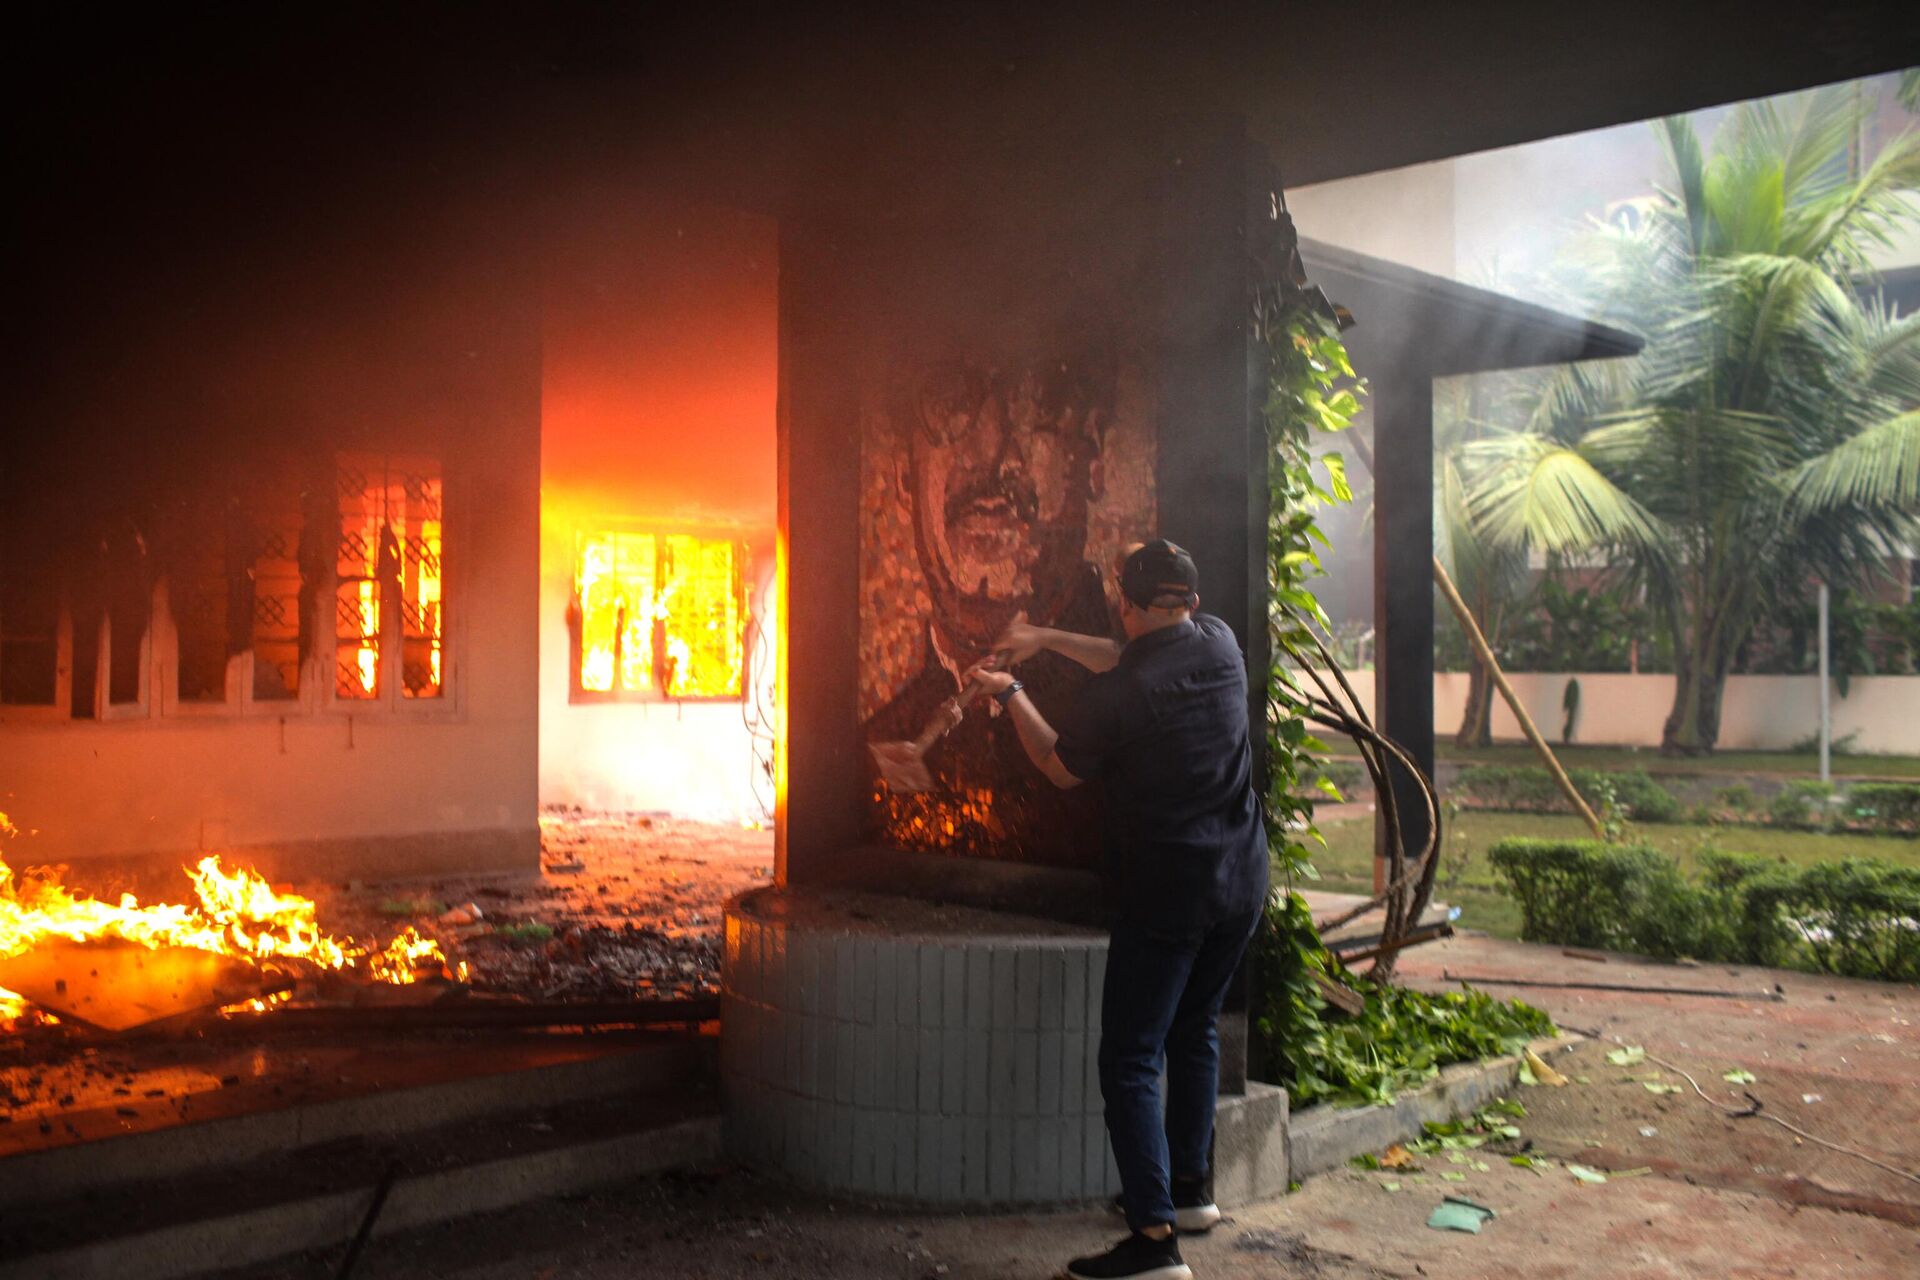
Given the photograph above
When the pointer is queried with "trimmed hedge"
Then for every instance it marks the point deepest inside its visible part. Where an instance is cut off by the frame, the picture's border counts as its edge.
(1531, 788)
(1884, 806)
(1859, 918)
(1879, 808)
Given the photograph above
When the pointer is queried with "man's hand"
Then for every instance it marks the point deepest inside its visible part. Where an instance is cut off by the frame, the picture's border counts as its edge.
(1021, 640)
(985, 675)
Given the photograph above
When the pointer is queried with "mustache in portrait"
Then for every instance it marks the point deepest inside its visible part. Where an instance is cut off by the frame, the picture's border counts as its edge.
(986, 489)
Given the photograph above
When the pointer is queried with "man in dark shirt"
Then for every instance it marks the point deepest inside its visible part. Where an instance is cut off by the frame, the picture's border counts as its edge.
(1163, 728)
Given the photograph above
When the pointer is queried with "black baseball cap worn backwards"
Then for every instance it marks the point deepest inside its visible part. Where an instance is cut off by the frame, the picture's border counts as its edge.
(1158, 569)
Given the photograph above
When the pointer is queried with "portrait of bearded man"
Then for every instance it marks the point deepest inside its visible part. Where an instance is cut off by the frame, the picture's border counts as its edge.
(1000, 467)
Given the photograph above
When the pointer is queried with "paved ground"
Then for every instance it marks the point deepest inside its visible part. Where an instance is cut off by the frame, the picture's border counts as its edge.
(1690, 1192)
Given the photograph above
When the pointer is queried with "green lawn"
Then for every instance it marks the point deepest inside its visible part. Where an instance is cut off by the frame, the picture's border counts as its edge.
(1782, 762)
(1466, 878)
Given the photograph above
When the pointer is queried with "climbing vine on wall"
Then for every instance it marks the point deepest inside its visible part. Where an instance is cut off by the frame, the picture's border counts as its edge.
(1399, 1037)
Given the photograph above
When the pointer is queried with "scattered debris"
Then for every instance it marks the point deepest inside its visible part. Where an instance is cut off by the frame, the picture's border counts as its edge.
(1398, 1157)
(1537, 1067)
(1582, 1173)
(1457, 1213)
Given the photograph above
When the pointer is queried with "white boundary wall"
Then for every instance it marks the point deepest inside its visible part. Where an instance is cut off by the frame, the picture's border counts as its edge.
(1758, 713)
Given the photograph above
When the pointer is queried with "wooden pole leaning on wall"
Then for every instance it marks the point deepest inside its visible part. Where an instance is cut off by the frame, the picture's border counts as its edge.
(1484, 653)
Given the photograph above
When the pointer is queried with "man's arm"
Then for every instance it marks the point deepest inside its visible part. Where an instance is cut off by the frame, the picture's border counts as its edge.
(1036, 735)
(1021, 640)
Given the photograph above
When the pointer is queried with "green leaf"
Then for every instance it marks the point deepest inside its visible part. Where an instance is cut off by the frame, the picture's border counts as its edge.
(1584, 1174)
(1627, 1057)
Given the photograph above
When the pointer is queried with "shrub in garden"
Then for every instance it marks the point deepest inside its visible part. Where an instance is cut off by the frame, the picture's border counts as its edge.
(1582, 893)
(1801, 803)
(1531, 788)
(1737, 799)
(1858, 917)
(1891, 807)
(1637, 793)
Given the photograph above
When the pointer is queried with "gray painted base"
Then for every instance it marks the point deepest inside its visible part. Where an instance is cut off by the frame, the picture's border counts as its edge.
(1250, 1150)
(941, 1055)
(931, 1054)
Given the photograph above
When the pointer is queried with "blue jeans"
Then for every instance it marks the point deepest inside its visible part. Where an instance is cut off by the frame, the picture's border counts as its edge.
(1159, 1007)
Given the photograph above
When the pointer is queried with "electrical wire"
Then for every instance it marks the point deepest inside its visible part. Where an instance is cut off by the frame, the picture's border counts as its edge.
(1754, 1110)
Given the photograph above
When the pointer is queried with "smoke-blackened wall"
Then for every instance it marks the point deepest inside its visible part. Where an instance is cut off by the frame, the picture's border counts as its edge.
(974, 422)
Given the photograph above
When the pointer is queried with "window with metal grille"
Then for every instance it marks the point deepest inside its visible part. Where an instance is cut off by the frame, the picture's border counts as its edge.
(388, 584)
(232, 567)
(273, 609)
(201, 585)
(659, 616)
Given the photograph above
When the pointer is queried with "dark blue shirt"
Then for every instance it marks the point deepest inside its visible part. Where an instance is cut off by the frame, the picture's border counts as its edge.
(1165, 734)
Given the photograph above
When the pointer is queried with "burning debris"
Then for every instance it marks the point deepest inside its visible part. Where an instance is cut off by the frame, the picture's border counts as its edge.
(235, 914)
(626, 912)
(628, 907)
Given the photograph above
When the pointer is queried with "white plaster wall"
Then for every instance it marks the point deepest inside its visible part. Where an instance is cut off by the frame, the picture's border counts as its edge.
(1759, 712)
(175, 786)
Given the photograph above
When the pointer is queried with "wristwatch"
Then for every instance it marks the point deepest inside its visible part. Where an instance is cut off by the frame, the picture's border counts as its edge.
(1006, 695)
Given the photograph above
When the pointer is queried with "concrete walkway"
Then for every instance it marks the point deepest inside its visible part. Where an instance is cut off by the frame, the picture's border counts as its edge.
(1703, 1195)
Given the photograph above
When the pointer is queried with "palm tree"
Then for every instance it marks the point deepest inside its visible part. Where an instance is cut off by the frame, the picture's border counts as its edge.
(1498, 437)
(1768, 434)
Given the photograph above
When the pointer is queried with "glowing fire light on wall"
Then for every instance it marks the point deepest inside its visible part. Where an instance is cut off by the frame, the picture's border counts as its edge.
(235, 913)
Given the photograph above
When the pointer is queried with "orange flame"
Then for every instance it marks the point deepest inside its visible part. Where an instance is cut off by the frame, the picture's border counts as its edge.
(235, 913)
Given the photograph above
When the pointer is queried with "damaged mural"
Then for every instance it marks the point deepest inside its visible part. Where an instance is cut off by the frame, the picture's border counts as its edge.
(993, 490)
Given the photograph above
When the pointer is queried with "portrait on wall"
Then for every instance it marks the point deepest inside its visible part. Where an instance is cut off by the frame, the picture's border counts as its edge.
(992, 490)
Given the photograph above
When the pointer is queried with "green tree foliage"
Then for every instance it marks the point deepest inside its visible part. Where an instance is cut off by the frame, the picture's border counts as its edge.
(1770, 431)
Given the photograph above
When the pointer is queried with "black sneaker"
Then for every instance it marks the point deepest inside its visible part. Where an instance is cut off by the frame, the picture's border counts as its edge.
(1194, 1212)
(1136, 1258)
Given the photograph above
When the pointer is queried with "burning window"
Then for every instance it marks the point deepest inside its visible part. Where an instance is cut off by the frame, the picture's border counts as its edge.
(660, 615)
(388, 584)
